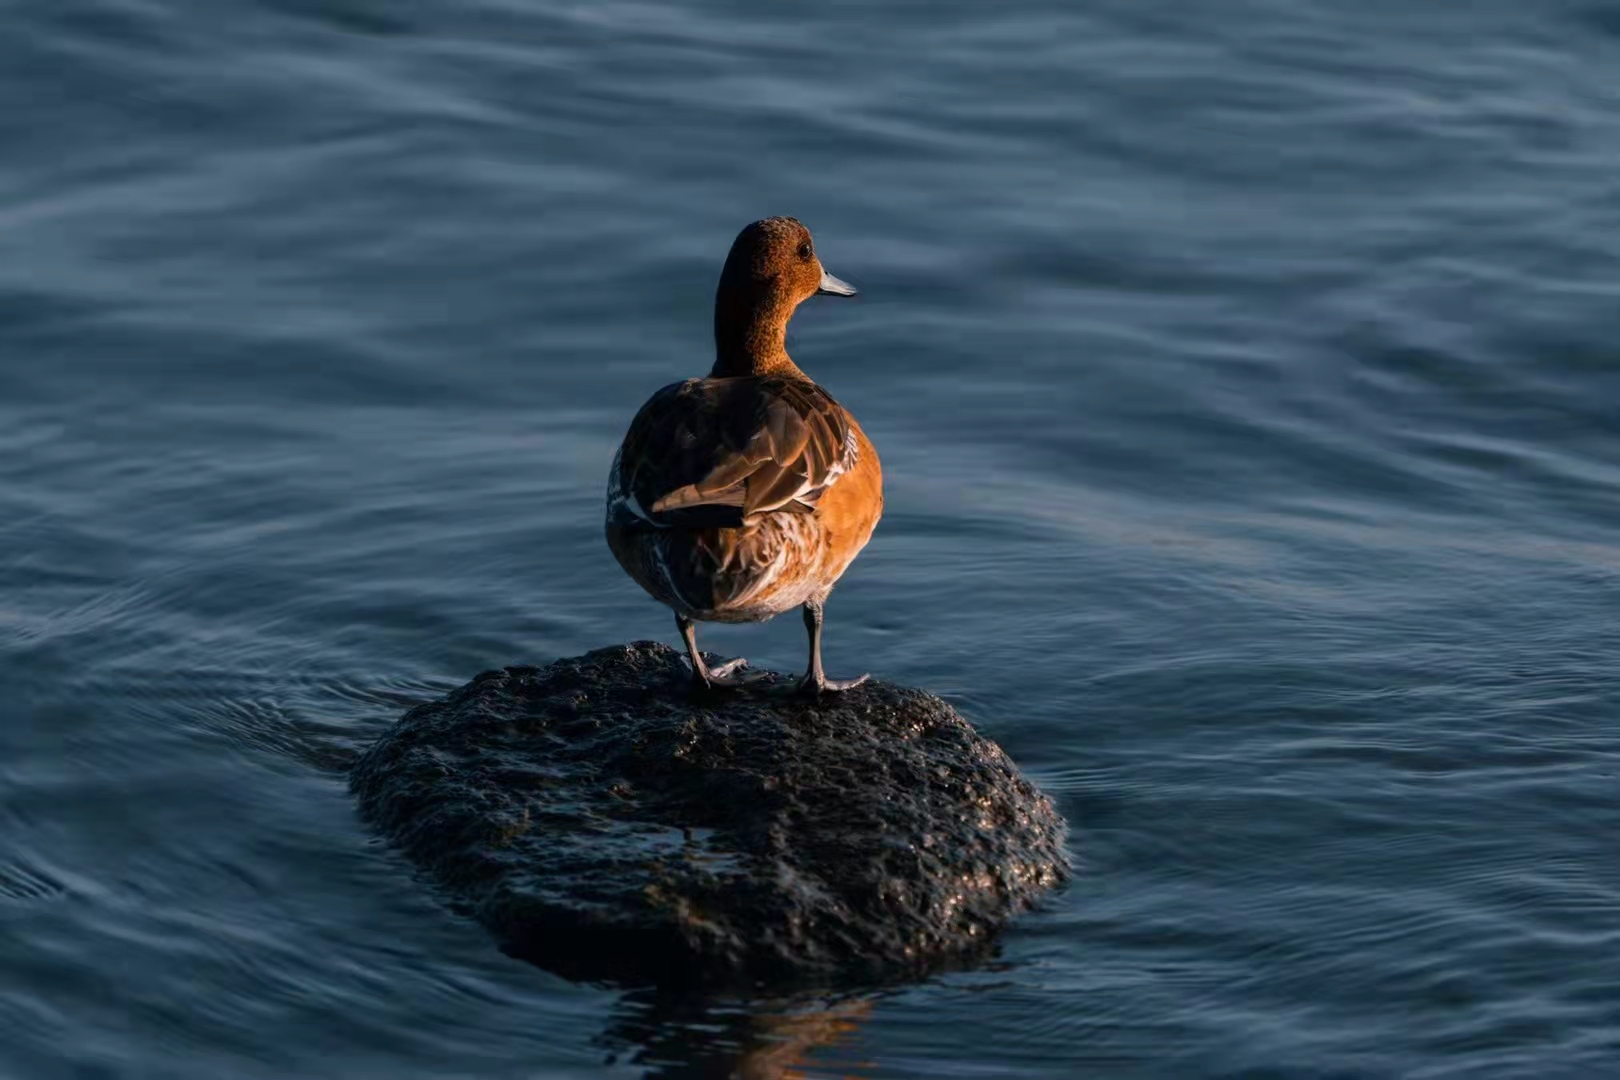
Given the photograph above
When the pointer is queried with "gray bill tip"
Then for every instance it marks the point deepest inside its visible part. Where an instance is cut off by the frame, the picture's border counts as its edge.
(831, 286)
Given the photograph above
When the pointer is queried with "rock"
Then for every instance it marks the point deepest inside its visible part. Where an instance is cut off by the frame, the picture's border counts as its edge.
(603, 821)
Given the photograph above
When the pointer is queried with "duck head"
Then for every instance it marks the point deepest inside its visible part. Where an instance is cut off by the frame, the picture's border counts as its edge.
(771, 270)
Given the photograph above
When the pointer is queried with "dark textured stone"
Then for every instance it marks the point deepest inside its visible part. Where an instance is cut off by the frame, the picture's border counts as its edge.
(605, 823)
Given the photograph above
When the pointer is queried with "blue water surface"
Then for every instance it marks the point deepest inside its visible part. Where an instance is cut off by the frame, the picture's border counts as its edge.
(1246, 381)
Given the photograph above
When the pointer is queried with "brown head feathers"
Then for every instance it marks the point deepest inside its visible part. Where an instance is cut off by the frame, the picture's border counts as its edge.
(771, 270)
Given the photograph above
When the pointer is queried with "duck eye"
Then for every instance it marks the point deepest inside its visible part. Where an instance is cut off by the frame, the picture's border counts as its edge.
(804, 251)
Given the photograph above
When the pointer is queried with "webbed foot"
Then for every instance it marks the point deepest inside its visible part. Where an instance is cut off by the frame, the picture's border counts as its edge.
(721, 675)
(705, 677)
(817, 683)
(815, 680)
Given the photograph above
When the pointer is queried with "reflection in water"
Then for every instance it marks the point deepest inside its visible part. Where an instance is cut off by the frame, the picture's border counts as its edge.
(686, 1037)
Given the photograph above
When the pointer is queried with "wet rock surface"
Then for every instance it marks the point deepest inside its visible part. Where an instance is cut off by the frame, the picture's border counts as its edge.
(606, 823)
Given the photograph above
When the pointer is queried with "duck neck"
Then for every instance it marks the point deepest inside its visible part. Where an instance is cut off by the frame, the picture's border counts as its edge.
(750, 338)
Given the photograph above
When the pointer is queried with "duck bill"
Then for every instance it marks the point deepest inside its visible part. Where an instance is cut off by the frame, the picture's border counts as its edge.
(831, 286)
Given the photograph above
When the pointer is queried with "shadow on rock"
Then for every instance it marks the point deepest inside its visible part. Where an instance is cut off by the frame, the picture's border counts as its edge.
(603, 822)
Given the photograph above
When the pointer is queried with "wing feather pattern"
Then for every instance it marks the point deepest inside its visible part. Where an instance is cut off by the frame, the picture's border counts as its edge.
(711, 453)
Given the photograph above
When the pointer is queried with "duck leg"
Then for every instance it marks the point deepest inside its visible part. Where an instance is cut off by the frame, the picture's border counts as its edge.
(815, 680)
(704, 676)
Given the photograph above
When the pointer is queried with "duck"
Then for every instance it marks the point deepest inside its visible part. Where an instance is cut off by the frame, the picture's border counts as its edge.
(748, 492)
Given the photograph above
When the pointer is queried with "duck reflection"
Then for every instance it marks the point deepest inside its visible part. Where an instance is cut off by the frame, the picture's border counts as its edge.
(687, 1037)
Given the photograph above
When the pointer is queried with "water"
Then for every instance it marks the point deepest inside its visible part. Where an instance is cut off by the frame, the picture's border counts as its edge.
(1245, 380)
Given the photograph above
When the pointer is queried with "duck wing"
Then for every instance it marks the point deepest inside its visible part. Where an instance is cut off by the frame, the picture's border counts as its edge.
(710, 453)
